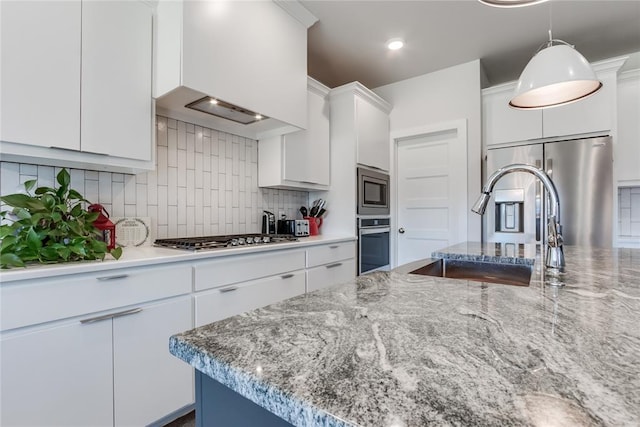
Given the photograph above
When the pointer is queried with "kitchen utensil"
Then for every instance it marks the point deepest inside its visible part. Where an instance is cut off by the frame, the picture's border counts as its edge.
(320, 213)
(303, 211)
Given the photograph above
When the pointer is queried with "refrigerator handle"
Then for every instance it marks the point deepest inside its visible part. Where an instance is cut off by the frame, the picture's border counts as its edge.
(538, 204)
(550, 168)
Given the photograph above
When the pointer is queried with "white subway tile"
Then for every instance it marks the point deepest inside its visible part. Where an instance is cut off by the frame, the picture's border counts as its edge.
(215, 145)
(191, 153)
(206, 219)
(635, 207)
(215, 177)
(229, 148)
(89, 175)
(242, 155)
(47, 178)
(182, 205)
(191, 220)
(215, 199)
(624, 197)
(172, 190)
(222, 145)
(222, 220)
(199, 205)
(26, 169)
(163, 232)
(241, 211)
(141, 200)
(161, 132)
(130, 190)
(117, 177)
(206, 132)
(215, 214)
(182, 136)
(199, 145)
(182, 230)
(172, 150)
(152, 187)
(190, 127)
(163, 164)
(191, 187)
(130, 210)
(235, 190)
(92, 191)
(163, 206)
(229, 174)
(104, 186)
(172, 220)
(152, 213)
(199, 230)
(222, 165)
(199, 170)
(206, 154)
(228, 205)
(77, 179)
(206, 189)
(222, 182)
(172, 123)
(117, 199)
(182, 168)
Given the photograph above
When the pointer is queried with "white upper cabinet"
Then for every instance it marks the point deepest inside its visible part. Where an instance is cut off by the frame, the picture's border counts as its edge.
(627, 146)
(372, 133)
(116, 79)
(40, 93)
(502, 123)
(300, 159)
(76, 84)
(252, 54)
(594, 114)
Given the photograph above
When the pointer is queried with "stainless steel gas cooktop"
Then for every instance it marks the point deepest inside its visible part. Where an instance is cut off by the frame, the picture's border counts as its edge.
(218, 242)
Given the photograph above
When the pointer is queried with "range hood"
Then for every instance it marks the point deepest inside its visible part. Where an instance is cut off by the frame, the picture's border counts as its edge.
(237, 67)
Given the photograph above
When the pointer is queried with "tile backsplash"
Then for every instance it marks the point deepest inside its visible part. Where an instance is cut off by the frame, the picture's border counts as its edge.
(629, 211)
(205, 183)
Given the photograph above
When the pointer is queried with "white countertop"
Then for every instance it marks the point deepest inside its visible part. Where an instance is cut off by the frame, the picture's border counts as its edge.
(150, 255)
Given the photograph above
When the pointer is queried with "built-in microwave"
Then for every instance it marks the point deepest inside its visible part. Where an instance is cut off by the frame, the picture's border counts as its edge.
(373, 192)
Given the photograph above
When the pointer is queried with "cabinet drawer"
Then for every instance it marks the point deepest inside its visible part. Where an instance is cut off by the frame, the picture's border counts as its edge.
(230, 300)
(37, 301)
(326, 254)
(228, 270)
(330, 274)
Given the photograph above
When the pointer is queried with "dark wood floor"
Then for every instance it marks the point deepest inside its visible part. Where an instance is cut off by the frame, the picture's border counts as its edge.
(188, 420)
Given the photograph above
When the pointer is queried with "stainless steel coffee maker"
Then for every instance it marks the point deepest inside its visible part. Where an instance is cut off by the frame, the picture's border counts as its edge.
(268, 223)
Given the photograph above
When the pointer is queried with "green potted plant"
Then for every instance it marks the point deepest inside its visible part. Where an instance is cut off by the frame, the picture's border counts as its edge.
(50, 225)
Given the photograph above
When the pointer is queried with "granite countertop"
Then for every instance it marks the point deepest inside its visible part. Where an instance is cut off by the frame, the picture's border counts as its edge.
(151, 255)
(396, 349)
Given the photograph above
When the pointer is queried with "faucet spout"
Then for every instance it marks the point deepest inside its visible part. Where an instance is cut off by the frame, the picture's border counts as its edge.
(555, 253)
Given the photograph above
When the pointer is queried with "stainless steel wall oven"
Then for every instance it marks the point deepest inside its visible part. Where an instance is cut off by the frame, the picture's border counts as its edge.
(373, 244)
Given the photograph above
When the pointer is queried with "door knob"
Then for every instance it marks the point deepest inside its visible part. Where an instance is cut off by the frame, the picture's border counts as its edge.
(401, 230)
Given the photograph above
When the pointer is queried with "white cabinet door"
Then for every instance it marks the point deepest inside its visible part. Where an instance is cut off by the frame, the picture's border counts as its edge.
(331, 274)
(626, 152)
(60, 375)
(40, 55)
(148, 381)
(116, 78)
(372, 130)
(501, 123)
(234, 299)
(306, 153)
(593, 114)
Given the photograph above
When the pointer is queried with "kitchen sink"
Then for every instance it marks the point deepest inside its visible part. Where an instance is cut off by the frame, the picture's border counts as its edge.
(507, 274)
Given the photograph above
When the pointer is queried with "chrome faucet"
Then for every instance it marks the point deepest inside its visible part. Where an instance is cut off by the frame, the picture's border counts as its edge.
(555, 254)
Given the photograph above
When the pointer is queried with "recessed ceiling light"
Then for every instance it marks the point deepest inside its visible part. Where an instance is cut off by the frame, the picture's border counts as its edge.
(511, 3)
(395, 44)
(213, 101)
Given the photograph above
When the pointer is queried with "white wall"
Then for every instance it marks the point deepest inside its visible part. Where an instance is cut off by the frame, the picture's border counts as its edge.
(442, 96)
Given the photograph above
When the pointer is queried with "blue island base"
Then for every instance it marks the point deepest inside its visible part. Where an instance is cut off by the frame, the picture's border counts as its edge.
(218, 405)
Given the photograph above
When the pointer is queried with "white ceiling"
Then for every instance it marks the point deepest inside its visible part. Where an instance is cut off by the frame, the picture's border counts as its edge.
(348, 41)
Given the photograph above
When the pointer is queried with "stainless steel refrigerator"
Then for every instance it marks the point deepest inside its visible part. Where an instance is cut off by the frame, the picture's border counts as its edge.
(582, 171)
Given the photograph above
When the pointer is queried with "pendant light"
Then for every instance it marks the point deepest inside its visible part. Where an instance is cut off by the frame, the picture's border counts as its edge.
(510, 3)
(556, 75)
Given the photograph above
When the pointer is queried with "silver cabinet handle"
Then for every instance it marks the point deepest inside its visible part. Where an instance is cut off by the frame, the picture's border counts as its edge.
(111, 316)
(287, 276)
(337, 264)
(229, 289)
(334, 247)
(401, 230)
(117, 276)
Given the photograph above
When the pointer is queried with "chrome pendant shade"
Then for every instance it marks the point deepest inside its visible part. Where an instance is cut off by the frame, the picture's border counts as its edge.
(556, 75)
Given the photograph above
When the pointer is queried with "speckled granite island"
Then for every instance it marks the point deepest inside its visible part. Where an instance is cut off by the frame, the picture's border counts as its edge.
(397, 349)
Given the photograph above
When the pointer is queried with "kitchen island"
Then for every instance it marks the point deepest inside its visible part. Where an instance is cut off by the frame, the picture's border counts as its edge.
(398, 349)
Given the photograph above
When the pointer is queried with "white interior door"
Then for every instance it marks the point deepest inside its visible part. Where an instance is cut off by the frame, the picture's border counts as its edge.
(431, 193)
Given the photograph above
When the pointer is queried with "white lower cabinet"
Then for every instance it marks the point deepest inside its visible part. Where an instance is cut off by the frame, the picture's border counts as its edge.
(92, 349)
(58, 375)
(331, 264)
(330, 274)
(149, 382)
(227, 301)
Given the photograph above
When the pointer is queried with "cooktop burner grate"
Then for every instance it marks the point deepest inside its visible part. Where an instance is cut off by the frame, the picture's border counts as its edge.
(217, 242)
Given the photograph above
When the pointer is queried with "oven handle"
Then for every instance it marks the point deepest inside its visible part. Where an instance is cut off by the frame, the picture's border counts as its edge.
(374, 230)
